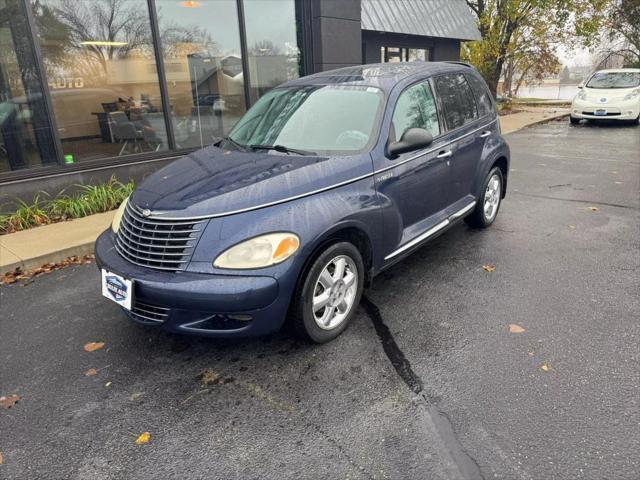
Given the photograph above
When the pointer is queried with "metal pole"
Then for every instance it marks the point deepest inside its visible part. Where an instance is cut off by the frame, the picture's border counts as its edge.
(162, 77)
(244, 53)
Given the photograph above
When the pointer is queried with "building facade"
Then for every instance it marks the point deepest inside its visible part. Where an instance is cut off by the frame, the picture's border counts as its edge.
(95, 88)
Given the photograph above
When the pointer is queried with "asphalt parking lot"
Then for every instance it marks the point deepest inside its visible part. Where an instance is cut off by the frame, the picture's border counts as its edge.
(427, 383)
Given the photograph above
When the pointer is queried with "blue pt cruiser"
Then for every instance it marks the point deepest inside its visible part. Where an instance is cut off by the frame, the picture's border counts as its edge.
(326, 181)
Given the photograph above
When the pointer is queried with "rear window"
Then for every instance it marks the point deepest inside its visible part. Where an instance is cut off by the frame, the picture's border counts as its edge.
(483, 97)
(614, 80)
(458, 103)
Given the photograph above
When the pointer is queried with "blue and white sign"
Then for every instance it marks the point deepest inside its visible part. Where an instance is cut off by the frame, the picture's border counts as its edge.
(117, 288)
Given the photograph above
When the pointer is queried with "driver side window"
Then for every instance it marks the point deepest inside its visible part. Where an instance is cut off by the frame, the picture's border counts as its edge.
(415, 108)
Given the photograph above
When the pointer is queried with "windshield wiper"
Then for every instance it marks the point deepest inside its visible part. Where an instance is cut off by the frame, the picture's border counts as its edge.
(282, 149)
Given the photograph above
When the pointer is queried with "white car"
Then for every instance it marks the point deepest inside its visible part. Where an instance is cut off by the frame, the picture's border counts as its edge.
(609, 94)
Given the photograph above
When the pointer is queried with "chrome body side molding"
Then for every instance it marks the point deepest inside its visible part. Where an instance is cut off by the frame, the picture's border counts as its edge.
(423, 236)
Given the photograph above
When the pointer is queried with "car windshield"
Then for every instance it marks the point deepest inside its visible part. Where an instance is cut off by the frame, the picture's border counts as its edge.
(321, 119)
(614, 80)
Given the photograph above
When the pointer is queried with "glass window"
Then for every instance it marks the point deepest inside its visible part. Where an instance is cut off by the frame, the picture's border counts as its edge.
(325, 119)
(102, 76)
(483, 97)
(415, 108)
(418, 55)
(26, 138)
(614, 80)
(273, 36)
(203, 64)
(459, 106)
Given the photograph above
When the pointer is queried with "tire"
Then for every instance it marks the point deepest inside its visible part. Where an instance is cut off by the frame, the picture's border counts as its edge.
(342, 295)
(636, 121)
(491, 195)
(573, 120)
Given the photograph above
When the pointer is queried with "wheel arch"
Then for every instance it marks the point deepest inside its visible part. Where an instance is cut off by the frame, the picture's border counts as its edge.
(503, 164)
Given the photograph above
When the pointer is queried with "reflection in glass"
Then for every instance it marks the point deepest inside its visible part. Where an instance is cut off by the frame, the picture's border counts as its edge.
(458, 103)
(415, 108)
(102, 76)
(327, 119)
(203, 64)
(26, 139)
(273, 32)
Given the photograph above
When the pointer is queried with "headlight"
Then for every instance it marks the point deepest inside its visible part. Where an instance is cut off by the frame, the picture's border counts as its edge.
(582, 95)
(632, 95)
(259, 252)
(115, 224)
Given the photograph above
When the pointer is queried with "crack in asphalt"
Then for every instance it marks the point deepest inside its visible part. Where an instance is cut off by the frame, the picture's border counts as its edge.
(587, 202)
(459, 463)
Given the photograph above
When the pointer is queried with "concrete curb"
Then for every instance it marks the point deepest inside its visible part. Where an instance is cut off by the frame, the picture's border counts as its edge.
(506, 131)
(29, 249)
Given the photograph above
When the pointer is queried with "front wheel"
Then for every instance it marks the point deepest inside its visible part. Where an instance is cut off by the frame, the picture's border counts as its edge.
(489, 203)
(574, 120)
(329, 293)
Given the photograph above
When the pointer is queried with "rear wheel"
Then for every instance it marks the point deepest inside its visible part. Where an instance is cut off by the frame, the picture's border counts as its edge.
(329, 294)
(489, 203)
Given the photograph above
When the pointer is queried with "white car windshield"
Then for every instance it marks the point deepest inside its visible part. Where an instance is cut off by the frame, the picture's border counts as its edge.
(614, 80)
(323, 119)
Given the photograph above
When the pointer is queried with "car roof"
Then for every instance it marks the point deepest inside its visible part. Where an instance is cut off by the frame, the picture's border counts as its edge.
(382, 75)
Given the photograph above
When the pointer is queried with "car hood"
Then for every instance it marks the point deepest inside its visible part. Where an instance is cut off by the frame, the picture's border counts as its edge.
(216, 182)
(611, 94)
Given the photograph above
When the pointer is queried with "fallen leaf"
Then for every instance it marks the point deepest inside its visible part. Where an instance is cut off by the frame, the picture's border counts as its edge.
(108, 384)
(136, 396)
(594, 209)
(208, 377)
(1, 459)
(513, 328)
(545, 367)
(143, 438)
(92, 346)
(91, 372)
(10, 401)
(572, 227)
(488, 267)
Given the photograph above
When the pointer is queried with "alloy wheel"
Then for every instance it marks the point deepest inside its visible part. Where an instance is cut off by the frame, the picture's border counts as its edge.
(335, 292)
(492, 197)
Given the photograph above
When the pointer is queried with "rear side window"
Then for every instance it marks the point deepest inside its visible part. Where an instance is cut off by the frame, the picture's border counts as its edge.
(415, 108)
(457, 99)
(483, 97)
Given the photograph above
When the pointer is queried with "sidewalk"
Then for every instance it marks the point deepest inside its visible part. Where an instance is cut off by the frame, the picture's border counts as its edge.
(32, 248)
(531, 116)
(53, 243)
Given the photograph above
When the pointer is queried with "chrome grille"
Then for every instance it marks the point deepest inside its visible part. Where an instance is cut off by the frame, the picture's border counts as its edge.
(156, 243)
(146, 313)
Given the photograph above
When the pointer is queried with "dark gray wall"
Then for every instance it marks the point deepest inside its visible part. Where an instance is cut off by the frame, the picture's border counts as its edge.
(26, 189)
(336, 34)
(440, 49)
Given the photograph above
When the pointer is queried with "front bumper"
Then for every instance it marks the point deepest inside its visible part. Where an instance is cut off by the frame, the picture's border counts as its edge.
(623, 110)
(199, 303)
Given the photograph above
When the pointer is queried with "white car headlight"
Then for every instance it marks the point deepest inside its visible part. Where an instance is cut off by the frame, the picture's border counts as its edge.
(582, 95)
(632, 95)
(115, 224)
(259, 252)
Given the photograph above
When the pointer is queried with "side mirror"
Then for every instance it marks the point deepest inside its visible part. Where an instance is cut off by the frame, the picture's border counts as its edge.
(412, 139)
(581, 85)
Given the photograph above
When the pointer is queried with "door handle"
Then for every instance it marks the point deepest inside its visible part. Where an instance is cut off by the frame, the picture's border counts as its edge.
(444, 154)
(485, 134)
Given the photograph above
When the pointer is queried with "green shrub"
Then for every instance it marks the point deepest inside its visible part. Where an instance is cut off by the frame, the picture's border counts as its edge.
(88, 200)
